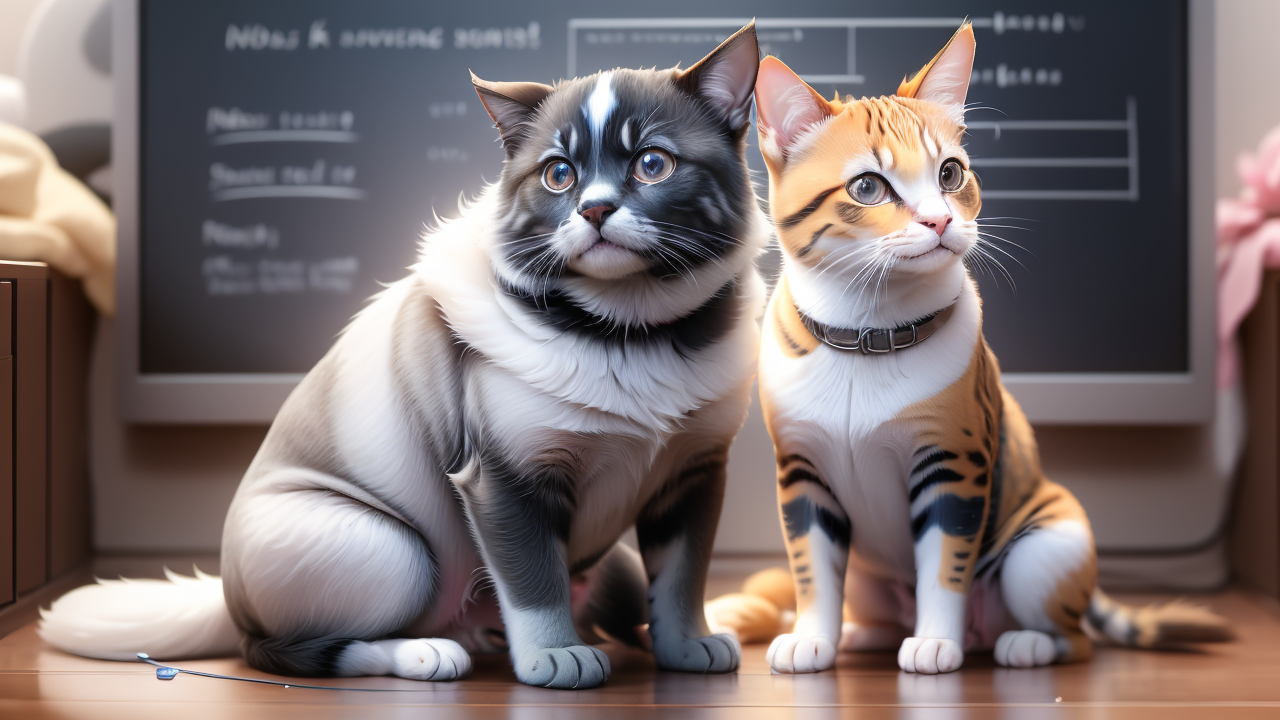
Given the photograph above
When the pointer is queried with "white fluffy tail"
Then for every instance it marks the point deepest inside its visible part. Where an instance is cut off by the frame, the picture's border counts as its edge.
(174, 619)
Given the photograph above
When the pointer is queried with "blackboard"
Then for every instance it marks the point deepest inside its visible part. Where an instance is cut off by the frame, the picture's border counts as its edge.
(293, 152)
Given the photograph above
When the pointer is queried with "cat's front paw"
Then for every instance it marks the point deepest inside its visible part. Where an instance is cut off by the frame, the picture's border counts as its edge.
(717, 653)
(795, 653)
(930, 655)
(576, 667)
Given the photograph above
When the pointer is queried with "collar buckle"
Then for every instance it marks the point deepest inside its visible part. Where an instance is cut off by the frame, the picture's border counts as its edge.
(869, 341)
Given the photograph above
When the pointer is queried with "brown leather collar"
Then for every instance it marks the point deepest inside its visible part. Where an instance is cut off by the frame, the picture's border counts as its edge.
(877, 340)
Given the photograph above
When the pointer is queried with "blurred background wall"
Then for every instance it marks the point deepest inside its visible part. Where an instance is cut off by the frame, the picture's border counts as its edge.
(14, 16)
(1248, 104)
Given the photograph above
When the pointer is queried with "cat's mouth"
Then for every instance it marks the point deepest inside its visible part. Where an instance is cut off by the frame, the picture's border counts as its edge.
(604, 246)
(608, 260)
(935, 250)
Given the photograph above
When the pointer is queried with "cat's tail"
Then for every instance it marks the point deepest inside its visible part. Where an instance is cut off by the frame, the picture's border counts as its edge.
(173, 619)
(1155, 626)
(765, 608)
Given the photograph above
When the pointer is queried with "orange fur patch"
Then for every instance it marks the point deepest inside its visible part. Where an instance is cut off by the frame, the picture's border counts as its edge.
(807, 198)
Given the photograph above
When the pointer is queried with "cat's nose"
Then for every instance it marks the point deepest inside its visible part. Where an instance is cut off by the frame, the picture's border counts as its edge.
(936, 223)
(596, 214)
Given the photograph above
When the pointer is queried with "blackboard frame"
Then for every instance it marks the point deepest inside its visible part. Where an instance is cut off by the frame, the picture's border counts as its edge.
(1048, 398)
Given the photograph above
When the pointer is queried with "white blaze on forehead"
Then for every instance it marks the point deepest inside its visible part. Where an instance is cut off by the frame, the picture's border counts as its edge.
(626, 134)
(929, 144)
(600, 105)
(886, 158)
(598, 194)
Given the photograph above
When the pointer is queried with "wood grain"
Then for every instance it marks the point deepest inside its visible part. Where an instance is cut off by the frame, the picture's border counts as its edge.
(1236, 680)
(7, 591)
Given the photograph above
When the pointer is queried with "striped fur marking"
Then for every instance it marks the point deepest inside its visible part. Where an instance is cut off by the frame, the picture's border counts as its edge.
(794, 338)
(801, 514)
(799, 216)
(813, 240)
(796, 469)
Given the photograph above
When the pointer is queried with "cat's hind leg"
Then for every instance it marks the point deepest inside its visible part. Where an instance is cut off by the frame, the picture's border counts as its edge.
(318, 581)
(1047, 576)
(411, 658)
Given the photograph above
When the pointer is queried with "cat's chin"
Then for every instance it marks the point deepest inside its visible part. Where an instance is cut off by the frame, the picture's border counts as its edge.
(928, 262)
(606, 261)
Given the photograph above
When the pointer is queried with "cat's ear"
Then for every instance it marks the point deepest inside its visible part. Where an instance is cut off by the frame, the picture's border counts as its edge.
(785, 107)
(945, 80)
(726, 76)
(510, 104)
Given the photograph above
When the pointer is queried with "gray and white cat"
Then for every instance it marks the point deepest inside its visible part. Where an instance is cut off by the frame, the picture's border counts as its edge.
(571, 356)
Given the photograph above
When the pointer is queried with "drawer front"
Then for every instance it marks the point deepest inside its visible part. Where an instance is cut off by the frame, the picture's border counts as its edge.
(31, 426)
(7, 591)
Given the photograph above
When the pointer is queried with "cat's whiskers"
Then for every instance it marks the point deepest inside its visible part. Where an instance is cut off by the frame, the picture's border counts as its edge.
(687, 272)
(979, 249)
(986, 238)
(689, 245)
(856, 252)
(870, 267)
(882, 278)
(708, 233)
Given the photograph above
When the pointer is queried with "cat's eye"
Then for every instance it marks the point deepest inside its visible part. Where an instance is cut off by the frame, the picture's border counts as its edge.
(653, 165)
(951, 176)
(558, 176)
(869, 189)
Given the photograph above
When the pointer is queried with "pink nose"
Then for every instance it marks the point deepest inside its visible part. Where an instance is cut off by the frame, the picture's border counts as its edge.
(596, 215)
(937, 224)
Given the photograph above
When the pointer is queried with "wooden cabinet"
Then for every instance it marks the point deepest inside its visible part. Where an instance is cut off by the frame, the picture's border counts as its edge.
(1255, 520)
(45, 329)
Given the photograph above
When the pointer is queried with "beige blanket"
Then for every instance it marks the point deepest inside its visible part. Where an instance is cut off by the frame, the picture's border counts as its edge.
(47, 215)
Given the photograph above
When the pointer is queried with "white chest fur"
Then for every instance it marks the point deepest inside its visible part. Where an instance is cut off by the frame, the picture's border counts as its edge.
(615, 409)
(838, 409)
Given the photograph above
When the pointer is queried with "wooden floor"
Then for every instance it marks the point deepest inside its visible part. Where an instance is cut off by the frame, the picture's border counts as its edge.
(1237, 680)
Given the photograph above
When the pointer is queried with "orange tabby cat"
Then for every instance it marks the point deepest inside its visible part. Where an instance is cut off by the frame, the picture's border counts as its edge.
(909, 483)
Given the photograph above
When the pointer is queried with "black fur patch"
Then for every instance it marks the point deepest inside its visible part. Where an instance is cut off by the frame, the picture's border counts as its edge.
(955, 515)
(849, 213)
(703, 327)
(522, 515)
(801, 514)
(295, 657)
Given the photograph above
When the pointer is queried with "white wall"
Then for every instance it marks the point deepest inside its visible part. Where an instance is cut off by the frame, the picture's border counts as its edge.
(1248, 76)
(14, 16)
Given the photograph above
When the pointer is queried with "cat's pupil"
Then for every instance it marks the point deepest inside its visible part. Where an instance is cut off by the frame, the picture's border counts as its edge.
(951, 177)
(560, 174)
(868, 189)
(652, 164)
